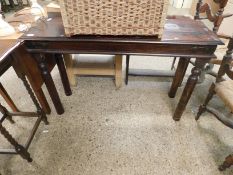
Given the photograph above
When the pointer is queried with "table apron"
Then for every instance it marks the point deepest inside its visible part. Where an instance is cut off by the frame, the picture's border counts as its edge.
(124, 48)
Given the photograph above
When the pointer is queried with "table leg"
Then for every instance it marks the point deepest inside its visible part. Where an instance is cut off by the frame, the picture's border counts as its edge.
(189, 87)
(49, 83)
(42, 100)
(63, 74)
(127, 69)
(70, 66)
(118, 71)
(179, 76)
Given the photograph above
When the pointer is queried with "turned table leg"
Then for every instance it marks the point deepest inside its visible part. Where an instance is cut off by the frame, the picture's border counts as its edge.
(179, 76)
(188, 90)
(49, 83)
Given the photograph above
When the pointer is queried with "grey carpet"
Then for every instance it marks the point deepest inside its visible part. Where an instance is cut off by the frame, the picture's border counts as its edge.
(128, 131)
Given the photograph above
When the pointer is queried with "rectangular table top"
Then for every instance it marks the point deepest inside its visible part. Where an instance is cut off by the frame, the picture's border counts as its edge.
(6, 47)
(177, 30)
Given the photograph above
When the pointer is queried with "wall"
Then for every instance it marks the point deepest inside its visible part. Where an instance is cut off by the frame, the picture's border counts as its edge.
(213, 5)
(181, 3)
(227, 25)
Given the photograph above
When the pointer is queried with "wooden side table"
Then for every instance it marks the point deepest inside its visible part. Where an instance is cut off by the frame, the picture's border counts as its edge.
(183, 37)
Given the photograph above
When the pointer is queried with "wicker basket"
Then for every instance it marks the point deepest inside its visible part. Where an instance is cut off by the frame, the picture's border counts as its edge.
(113, 17)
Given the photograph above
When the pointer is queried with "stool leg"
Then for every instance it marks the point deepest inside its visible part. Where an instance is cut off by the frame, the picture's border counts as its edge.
(18, 148)
(30, 92)
(6, 115)
(8, 99)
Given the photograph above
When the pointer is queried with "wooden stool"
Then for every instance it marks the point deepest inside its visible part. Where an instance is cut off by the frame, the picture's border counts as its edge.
(93, 65)
(18, 148)
(9, 59)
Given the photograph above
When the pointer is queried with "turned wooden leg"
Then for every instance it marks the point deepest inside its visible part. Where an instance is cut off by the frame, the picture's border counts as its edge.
(49, 83)
(63, 74)
(18, 148)
(118, 71)
(227, 163)
(202, 108)
(179, 75)
(34, 100)
(127, 69)
(189, 87)
(70, 69)
(8, 99)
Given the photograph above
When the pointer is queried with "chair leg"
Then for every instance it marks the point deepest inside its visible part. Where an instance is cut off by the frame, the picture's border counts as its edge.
(63, 74)
(127, 69)
(202, 108)
(227, 163)
(118, 71)
(207, 70)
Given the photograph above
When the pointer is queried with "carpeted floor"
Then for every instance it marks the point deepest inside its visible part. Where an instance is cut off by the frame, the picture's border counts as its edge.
(120, 132)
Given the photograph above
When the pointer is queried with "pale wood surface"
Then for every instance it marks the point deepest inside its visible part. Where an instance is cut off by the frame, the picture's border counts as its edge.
(227, 24)
(118, 69)
(69, 62)
(94, 71)
(80, 65)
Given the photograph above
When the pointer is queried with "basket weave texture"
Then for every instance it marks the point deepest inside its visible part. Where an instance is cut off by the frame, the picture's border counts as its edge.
(114, 17)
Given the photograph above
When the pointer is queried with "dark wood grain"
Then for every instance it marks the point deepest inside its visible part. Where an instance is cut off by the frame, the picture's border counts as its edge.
(8, 59)
(62, 70)
(179, 75)
(45, 73)
(182, 37)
